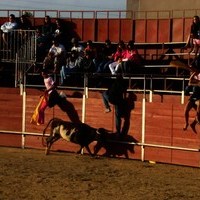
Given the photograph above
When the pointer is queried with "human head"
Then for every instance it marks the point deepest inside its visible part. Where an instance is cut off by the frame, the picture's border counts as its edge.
(196, 19)
(107, 42)
(74, 41)
(44, 73)
(120, 45)
(12, 17)
(130, 44)
(55, 41)
(47, 19)
(89, 42)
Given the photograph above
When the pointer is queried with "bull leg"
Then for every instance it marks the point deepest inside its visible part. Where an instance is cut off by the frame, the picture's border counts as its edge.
(88, 149)
(50, 140)
(97, 148)
(80, 151)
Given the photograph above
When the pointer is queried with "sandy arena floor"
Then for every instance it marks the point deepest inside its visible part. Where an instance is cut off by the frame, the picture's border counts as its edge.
(29, 174)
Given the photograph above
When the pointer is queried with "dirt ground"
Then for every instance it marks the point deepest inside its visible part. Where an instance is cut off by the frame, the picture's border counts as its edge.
(30, 174)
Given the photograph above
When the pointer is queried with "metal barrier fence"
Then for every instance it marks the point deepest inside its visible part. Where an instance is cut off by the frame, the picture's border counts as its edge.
(20, 42)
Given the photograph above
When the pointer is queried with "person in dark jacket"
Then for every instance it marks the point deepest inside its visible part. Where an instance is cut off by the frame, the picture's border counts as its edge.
(115, 95)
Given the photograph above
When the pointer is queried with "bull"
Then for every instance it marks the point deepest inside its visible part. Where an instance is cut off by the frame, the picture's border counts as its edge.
(78, 133)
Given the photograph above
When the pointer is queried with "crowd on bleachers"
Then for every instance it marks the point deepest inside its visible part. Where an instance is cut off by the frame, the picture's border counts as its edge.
(61, 54)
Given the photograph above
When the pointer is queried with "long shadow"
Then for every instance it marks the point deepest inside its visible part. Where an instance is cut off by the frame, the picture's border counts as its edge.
(116, 147)
(129, 104)
(67, 107)
(120, 145)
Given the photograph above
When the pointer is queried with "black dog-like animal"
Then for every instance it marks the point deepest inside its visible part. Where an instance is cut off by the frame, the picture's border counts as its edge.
(79, 133)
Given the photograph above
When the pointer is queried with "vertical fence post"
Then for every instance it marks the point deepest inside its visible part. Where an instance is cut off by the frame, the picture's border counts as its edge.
(143, 120)
(23, 119)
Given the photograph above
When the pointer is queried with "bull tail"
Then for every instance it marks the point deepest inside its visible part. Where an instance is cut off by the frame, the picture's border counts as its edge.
(44, 131)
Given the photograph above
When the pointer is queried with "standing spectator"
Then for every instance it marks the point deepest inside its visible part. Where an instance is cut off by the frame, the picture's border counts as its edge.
(25, 23)
(60, 32)
(7, 29)
(48, 28)
(194, 35)
(115, 95)
(42, 46)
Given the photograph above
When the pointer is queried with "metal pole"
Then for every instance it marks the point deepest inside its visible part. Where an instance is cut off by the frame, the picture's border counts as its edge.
(23, 119)
(143, 120)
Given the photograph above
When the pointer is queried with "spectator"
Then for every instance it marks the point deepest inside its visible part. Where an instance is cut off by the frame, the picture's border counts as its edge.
(55, 57)
(72, 65)
(105, 57)
(24, 27)
(194, 35)
(25, 23)
(77, 47)
(90, 47)
(87, 64)
(48, 28)
(131, 59)
(7, 29)
(60, 32)
(42, 45)
(117, 57)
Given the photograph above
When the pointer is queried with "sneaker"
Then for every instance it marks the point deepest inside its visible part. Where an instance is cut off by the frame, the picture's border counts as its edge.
(107, 110)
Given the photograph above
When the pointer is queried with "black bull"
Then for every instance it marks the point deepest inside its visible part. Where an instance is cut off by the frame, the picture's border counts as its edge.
(78, 133)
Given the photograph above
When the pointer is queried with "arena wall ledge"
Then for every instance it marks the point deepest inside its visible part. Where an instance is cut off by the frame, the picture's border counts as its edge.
(155, 134)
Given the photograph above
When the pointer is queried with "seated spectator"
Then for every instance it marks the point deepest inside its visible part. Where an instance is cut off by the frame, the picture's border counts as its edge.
(77, 47)
(91, 48)
(131, 59)
(71, 67)
(55, 57)
(105, 57)
(7, 29)
(87, 64)
(117, 57)
(48, 28)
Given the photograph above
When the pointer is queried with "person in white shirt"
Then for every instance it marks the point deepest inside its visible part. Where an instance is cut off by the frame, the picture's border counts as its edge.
(8, 27)
(56, 56)
(77, 47)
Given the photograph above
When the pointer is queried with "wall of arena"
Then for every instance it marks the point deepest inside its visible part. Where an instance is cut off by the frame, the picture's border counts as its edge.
(155, 134)
(145, 30)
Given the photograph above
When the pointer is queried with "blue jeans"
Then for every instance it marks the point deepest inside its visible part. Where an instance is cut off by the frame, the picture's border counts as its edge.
(118, 110)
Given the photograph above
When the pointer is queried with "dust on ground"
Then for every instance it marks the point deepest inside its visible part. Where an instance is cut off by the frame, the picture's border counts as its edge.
(31, 175)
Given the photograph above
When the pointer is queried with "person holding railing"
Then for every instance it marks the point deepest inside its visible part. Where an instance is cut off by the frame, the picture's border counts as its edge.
(7, 29)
